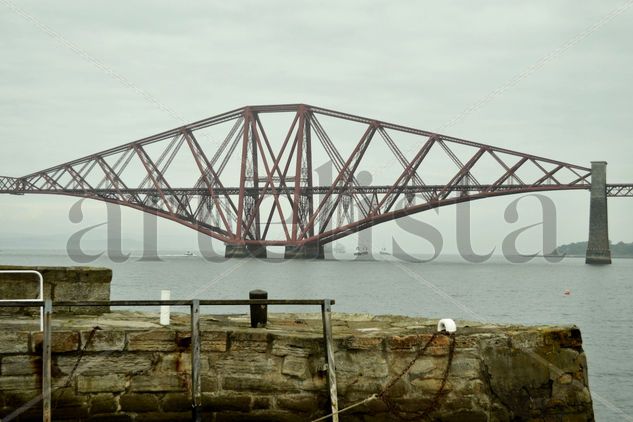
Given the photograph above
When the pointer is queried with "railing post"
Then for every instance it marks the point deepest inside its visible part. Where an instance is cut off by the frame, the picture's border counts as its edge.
(326, 312)
(196, 391)
(46, 361)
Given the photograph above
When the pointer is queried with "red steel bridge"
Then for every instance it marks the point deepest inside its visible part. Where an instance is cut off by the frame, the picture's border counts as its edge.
(247, 177)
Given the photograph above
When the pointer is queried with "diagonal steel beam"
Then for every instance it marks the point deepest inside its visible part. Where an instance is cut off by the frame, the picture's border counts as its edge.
(161, 184)
(344, 176)
(509, 172)
(461, 173)
(205, 167)
(405, 176)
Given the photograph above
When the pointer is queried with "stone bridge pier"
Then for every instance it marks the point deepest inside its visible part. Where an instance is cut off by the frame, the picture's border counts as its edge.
(598, 251)
(245, 251)
(307, 251)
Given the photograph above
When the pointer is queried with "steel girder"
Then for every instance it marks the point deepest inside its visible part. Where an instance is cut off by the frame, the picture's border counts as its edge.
(270, 185)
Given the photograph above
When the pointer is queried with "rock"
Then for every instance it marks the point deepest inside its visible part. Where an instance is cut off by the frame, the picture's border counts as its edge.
(21, 365)
(100, 383)
(254, 341)
(179, 362)
(14, 342)
(364, 343)
(163, 417)
(61, 341)
(152, 340)
(103, 403)
(294, 366)
(103, 341)
(305, 403)
(139, 403)
(26, 382)
(176, 402)
(226, 401)
(158, 383)
(95, 363)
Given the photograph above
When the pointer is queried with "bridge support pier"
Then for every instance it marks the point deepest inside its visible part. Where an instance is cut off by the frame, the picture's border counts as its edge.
(309, 251)
(245, 251)
(598, 251)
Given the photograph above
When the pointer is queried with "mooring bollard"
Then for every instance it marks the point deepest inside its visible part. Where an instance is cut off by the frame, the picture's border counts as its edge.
(259, 313)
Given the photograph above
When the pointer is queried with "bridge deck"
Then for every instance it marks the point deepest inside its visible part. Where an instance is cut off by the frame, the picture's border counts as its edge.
(613, 190)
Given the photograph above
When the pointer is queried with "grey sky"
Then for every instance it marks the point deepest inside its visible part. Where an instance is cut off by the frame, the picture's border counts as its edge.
(414, 63)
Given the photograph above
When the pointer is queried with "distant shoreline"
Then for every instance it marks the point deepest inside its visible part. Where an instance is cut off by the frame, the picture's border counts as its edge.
(582, 256)
(579, 249)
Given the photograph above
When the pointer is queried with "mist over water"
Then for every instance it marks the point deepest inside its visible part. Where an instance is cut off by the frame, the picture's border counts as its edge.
(493, 291)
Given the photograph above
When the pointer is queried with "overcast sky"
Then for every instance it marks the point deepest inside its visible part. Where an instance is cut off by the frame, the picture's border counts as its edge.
(80, 77)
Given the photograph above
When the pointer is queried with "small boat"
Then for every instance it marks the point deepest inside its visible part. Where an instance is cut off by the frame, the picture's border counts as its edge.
(360, 252)
(189, 253)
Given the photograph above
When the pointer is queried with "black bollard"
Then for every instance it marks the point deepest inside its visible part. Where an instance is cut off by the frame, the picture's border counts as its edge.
(259, 313)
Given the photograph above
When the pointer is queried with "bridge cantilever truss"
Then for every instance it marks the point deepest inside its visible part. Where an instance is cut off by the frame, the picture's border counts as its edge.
(255, 188)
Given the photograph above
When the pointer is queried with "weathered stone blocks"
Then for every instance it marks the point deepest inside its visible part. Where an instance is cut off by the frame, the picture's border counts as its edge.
(117, 363)
(103, 341)
(61, 341)
(158, 383)
(139, 403)
(103, 403)
(176, 402)
(100, 383)
(60, 284)
(295, 366)
(19, 382)
(20, 365)
(163, 340)
(253, 341)
(278, 373)
(14, 342)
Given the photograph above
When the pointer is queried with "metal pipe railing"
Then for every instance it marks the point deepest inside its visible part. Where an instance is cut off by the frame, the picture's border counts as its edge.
(40, 296)
(194, 306)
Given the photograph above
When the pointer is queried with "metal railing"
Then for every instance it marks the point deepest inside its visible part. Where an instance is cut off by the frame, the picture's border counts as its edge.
(41, 295)
(194, 306)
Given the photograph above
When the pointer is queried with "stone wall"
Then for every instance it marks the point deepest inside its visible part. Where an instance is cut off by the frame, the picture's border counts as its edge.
(60, 284)
(132, 369)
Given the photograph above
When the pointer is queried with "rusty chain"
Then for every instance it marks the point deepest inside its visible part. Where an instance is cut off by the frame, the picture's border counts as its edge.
(436, 398)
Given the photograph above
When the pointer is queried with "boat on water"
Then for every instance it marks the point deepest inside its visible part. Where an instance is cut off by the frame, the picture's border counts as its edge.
(189, 253)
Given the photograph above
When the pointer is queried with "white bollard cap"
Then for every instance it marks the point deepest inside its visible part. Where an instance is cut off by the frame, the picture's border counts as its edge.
(447, 324)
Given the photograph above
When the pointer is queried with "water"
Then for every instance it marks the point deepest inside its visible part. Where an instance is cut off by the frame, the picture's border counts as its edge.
(498, 291)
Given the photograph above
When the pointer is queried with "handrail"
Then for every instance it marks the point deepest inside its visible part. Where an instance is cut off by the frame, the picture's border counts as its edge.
(24, 302)
(211, 302)
(194, 307)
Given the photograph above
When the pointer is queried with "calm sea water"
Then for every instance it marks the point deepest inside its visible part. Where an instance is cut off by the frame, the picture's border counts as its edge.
(600, 302)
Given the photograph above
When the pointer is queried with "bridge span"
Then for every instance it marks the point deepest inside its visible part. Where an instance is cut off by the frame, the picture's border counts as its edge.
(246, 177)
